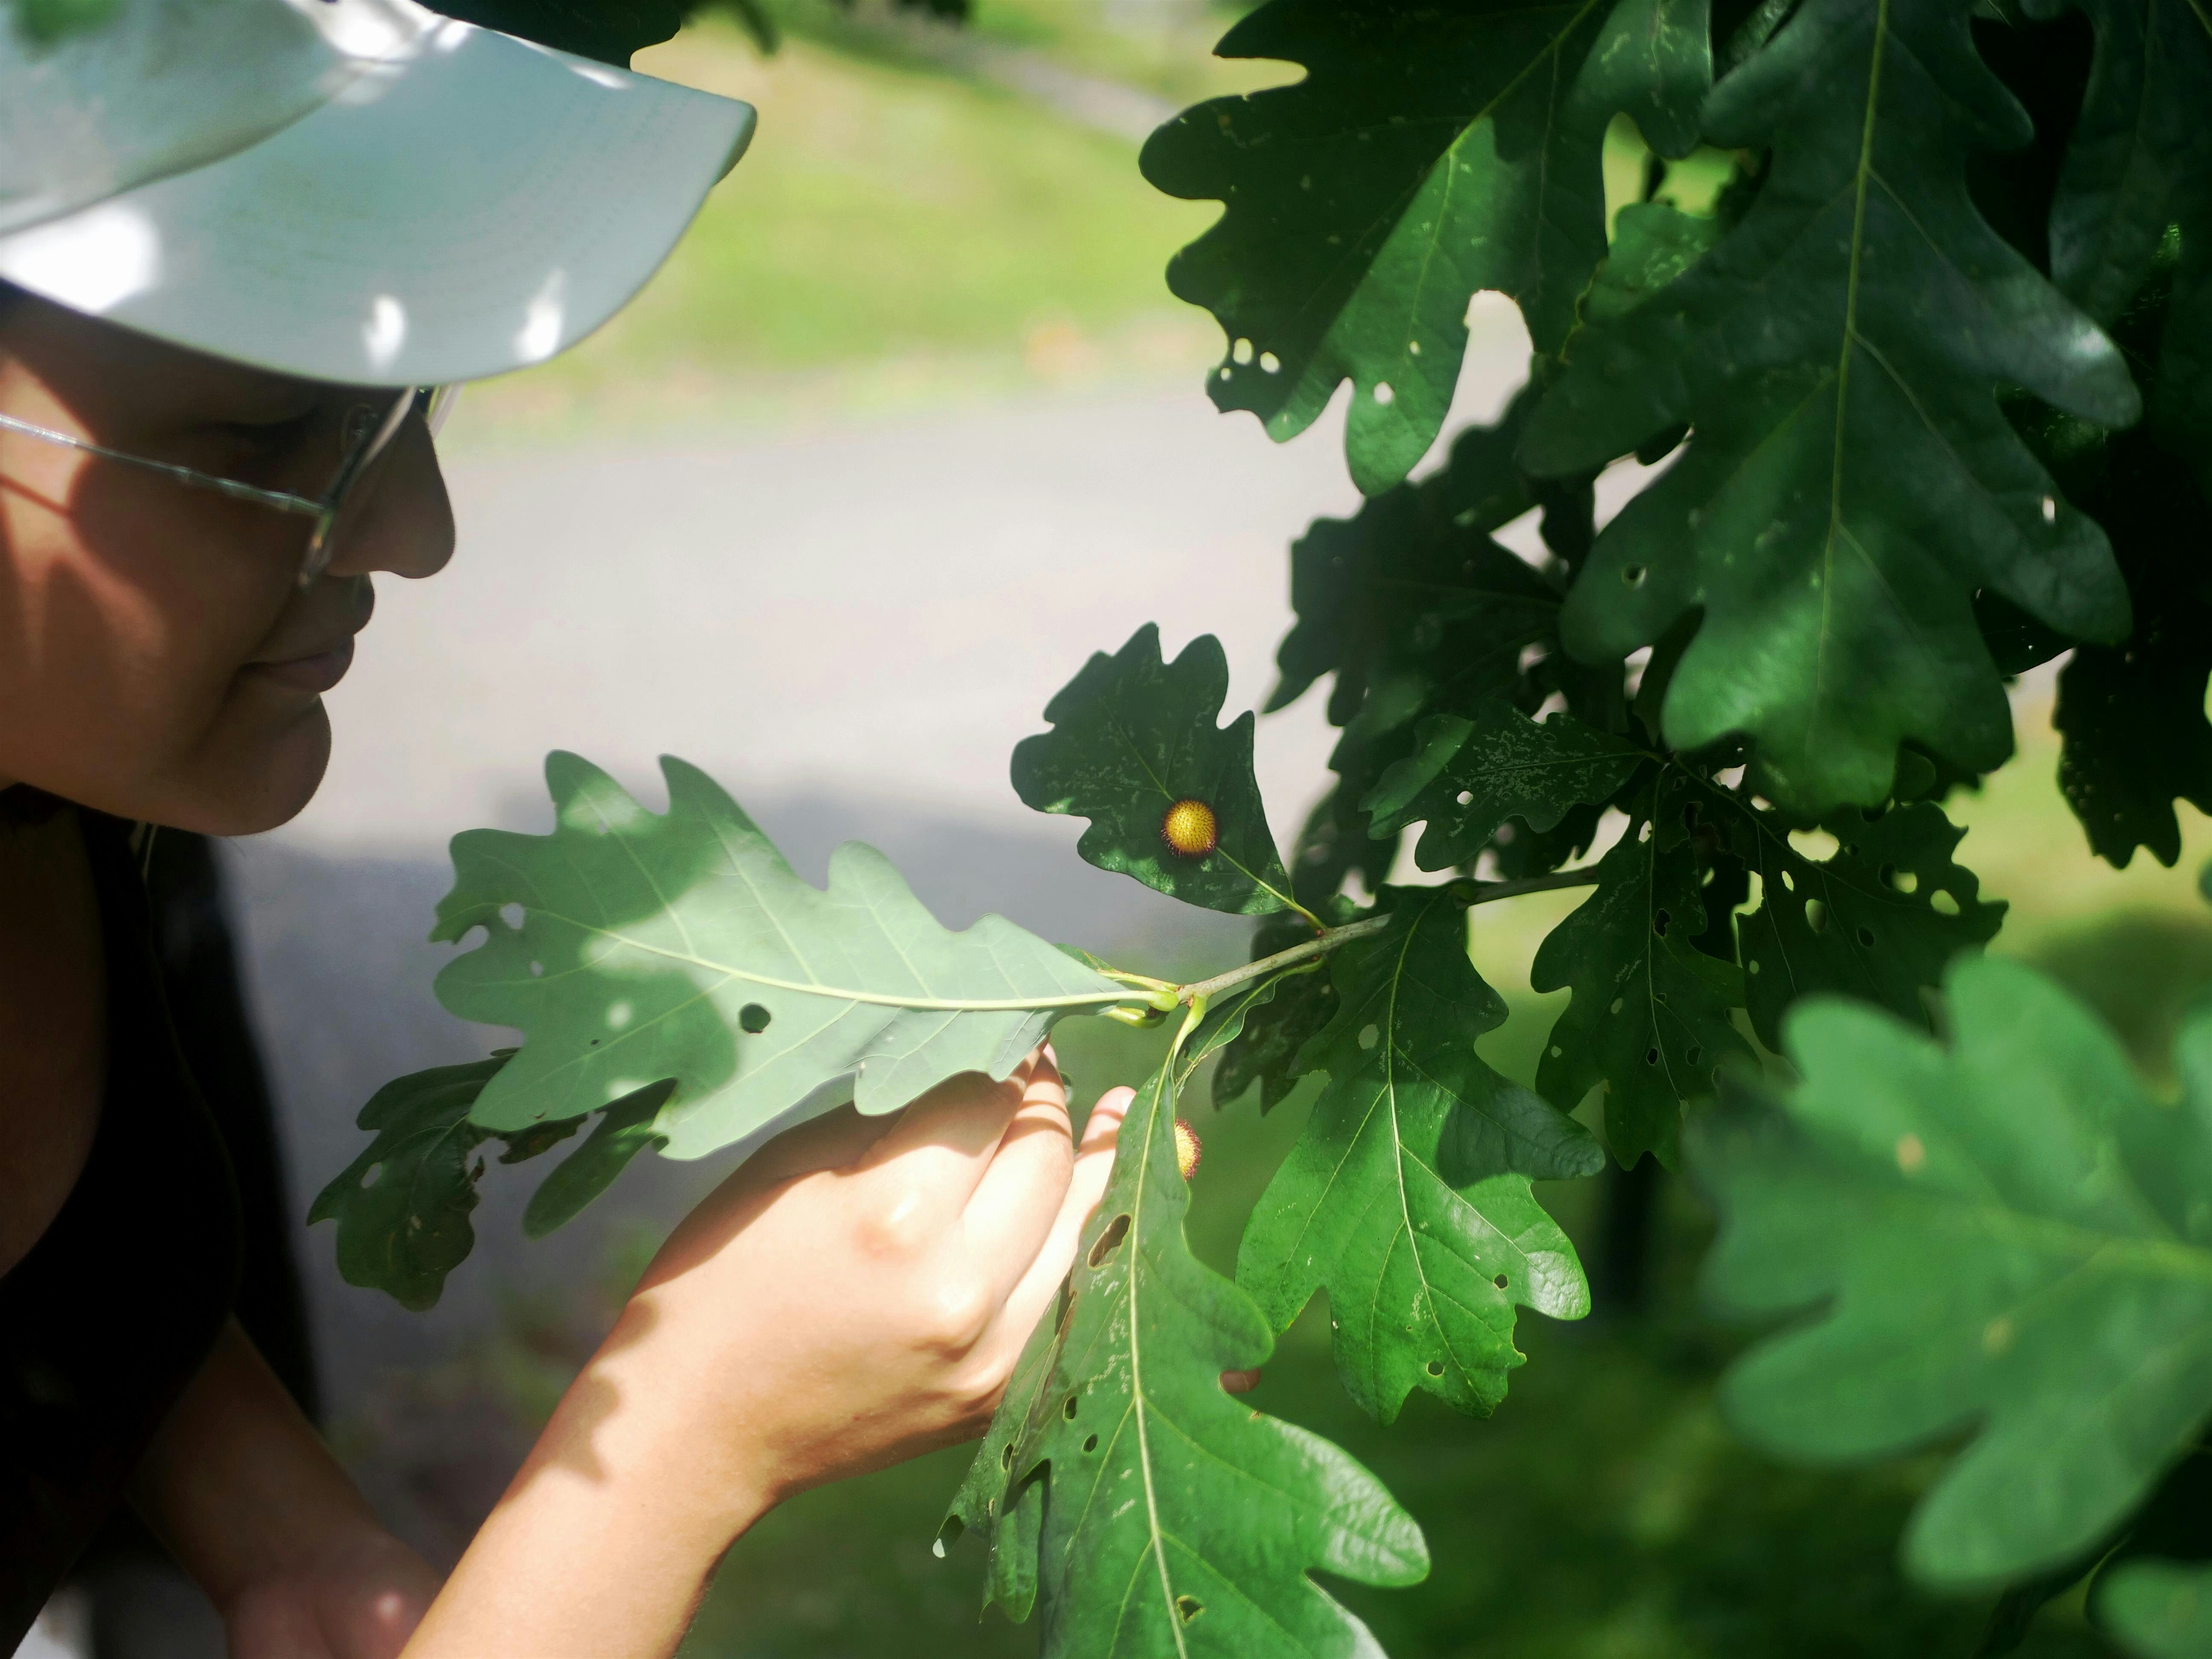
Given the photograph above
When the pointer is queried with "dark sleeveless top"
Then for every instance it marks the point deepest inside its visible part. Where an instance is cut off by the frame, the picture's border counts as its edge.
(114, 1309)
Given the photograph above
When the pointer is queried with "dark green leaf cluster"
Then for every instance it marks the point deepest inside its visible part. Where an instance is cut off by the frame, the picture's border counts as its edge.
(1938, 354)
(1445, 646)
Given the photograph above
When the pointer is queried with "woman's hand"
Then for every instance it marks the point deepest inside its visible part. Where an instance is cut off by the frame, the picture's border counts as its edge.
(859, 1292)
(357, 1597)
(251, 1502)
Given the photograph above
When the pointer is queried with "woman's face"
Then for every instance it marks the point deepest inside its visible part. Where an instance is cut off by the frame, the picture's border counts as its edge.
(158, 658)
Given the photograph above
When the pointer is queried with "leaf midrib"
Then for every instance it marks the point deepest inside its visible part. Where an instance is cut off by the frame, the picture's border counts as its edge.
(842, 994)
(1862, 175)
(1137, 1403)
(1220, 850)
(1394, 209)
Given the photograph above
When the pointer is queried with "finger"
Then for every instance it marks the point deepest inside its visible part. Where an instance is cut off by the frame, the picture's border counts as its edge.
(832, 1141)
(1240, 1382)
(1094, 1162)
(1010, 1213)
(943, 1143)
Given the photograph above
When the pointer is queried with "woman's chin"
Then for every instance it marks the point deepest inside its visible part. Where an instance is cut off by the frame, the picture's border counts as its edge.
(259, 784)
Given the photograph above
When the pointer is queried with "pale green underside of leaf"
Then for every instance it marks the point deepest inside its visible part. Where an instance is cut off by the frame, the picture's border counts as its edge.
(1407, 1198)
(681, 947)
(1427, 155)
(2009, 1239)
(1153, 1516)
(1851, 482)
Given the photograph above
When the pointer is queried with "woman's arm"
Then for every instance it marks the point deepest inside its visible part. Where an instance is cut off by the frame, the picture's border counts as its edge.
(252, 1504)
(857, 1294)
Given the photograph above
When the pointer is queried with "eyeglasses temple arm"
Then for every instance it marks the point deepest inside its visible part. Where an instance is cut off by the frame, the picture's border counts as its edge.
(282, 500)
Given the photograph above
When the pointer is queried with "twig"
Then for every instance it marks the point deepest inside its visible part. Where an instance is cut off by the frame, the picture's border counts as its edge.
(1468, 892)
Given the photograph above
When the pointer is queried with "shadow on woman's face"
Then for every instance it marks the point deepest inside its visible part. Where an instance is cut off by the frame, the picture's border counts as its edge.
(158, 658)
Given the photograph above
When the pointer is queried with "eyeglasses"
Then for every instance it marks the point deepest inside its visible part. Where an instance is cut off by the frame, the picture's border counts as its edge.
(369, 431)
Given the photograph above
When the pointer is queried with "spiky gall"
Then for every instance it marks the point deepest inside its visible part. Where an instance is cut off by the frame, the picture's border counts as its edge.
(1189, 828)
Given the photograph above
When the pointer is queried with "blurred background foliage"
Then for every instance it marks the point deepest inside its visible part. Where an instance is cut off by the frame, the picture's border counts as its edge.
(931, 212)
(939, 214)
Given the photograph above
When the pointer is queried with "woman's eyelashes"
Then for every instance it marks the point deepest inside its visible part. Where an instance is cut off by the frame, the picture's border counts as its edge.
(274, 444)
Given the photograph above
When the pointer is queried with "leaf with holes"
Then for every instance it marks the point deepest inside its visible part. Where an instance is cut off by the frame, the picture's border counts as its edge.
(1465, 777)
(1132, 737)
(1413, 607)
(1851, 482)
(1649, 1017)
(1150, 1512)
(631, 947)
(2005, 1239)
(1879, 917)
(1407, 1197)
(403, 1206)
(1428, 154)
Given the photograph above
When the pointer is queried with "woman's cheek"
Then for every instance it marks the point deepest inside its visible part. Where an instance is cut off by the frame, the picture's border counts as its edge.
(121, 677)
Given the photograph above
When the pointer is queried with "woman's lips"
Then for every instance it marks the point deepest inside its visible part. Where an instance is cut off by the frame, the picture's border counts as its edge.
(313, 675)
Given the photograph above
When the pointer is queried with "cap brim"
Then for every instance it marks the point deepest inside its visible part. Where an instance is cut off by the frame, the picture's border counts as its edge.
(475, 207)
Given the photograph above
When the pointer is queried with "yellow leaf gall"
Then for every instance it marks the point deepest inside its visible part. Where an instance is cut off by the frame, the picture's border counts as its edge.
(1190, 829)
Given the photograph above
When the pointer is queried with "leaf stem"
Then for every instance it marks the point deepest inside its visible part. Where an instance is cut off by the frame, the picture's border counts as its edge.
(1143, 981)
(1472, 891)
(1155, 996)
(1327, 939)
(1468, 892)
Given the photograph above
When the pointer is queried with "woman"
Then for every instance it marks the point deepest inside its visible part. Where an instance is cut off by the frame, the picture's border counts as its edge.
(219, 223)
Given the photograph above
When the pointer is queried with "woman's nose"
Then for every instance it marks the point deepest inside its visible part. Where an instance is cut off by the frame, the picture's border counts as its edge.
(401, 519)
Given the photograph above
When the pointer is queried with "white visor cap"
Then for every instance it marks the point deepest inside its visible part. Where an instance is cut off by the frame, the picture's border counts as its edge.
(406, 199)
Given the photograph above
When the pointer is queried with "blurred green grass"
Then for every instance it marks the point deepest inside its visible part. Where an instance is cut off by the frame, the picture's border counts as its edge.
(900, 235)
